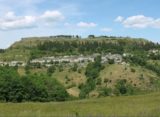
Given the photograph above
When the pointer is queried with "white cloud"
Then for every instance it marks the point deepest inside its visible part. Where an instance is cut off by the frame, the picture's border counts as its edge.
(50, 16)
(141, 21)
(10, 15)
(138, 21)
(106, 29)
(119, 19)
(156, 23)
(86, 25)
(11, 21)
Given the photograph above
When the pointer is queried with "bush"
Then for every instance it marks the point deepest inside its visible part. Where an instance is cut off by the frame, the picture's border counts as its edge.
(60, 68)
(104, 91)
(133, 70)
(98, 81)
(79, 71)
(106, 80)
(80, 86)
(141, 77)
(71, 85)
(51, 70)
(111, 61)
(123, 87)
(75, 67)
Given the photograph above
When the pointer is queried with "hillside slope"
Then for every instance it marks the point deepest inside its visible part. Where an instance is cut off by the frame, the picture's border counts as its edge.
(140, 78)
(138, 69)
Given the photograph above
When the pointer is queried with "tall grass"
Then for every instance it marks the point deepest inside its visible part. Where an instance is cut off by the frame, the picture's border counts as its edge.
(127, 106)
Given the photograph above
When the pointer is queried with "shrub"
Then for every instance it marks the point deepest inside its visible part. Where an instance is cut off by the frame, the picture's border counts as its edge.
(60, 68)
(51, 70)
(98, 81)
(70, 86)
(133, 70)
(141, 77)
(123, 87)
(75, 67)
(79, 71)
(80, 86)
(104, 91)
(111, 61)
(106, 80)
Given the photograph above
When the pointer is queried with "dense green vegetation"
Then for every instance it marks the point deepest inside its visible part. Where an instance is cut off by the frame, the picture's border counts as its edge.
(142, 61)
(92, 72)
(32, 87)
(122, 87)
(89, 46)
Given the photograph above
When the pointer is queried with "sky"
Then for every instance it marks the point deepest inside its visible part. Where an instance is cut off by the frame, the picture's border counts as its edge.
(28, 18)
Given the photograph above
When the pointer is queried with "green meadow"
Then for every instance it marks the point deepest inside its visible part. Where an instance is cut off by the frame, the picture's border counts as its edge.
(147, 105)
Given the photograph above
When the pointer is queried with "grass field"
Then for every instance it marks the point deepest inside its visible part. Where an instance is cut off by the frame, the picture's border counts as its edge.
(147, 105)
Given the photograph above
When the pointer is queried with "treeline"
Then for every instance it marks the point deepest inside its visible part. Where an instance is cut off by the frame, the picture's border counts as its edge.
(33, 87)
(80, 47)
(90, 46)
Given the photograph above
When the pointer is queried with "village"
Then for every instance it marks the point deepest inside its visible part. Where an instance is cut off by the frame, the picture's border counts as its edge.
(71, 59)
(80, 59)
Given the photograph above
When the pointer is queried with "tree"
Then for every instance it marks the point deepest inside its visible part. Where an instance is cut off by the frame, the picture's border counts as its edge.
(91, 36)
(51, 70)
(11, 88)
(87, 88)
(121, 86)
(93, 69)
(92, 72)
(75, 67)
(27, 69)
(31, 87)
